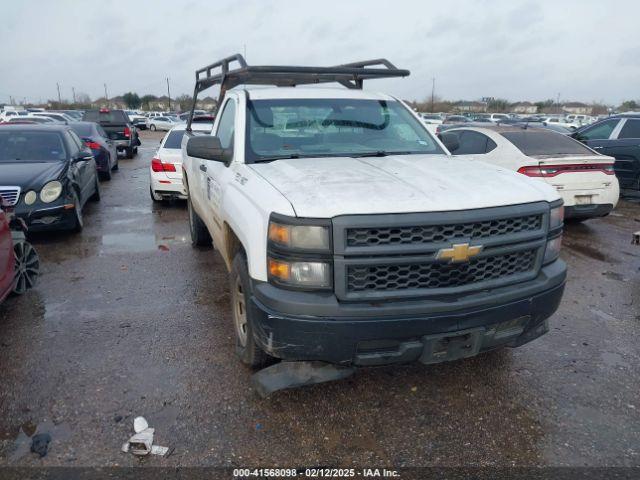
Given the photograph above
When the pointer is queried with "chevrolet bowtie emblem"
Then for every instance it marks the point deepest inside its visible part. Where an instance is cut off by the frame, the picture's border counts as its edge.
(459, 252)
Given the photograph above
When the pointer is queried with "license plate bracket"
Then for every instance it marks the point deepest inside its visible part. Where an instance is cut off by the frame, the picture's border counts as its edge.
(447, 347)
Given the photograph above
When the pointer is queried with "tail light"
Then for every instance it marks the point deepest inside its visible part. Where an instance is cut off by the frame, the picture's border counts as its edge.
(92, 145)
(127, 132)
(553, 170)
(104, 110)
(158, 166)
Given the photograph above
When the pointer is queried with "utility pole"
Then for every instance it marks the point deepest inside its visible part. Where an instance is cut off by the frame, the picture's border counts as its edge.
(169, 93)
(106, 96)
(59, 98)
(433, 90)
(73, 91)
(558, 102)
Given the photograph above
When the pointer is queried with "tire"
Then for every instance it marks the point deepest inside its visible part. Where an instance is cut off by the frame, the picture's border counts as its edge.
(78, 223)
(129, 152)
(27, 266)
(135, 151)
(152, 128)
(247, 349)
(96, 193)
(200, 236)
(154, 197)
(106, 176)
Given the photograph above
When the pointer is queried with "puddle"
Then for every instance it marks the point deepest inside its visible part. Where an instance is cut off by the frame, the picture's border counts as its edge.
(587, 250)
(140, 242)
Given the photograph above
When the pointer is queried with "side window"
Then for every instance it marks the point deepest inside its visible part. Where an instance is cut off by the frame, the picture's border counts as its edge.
(472, 143)
(490, 145)
(226, 126)
(102, 132)
(631, 129)
(601, 131)
(74, 143)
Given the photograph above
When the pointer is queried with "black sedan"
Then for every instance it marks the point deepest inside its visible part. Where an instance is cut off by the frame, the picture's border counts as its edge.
(104, 151)
(47, 174)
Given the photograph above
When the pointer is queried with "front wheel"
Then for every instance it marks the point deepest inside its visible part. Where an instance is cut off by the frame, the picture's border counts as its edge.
(78, 221)
(27, 266)
(247, 349)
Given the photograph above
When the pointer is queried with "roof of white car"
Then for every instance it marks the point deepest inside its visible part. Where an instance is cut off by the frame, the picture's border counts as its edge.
(256, 93)
(204, 127)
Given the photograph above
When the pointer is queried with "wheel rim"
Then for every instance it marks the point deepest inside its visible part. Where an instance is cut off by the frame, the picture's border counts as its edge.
(239, 312)
(27, 267)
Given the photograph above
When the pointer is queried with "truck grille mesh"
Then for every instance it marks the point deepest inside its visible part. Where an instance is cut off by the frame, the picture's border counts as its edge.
(367, 278)
(370, 237)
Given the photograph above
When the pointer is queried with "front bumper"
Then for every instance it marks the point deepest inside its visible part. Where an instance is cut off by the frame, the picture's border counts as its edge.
(58, 215)
(314, 326)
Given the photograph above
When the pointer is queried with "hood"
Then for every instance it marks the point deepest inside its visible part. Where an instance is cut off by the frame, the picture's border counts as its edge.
(30, 175)
(327, 187)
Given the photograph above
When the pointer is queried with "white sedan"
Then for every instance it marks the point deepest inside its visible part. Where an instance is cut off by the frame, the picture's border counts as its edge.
(165, 171)
(584, 178)
(162, 123)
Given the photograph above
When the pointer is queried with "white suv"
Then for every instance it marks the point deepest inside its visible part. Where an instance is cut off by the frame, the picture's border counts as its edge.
(352, 236)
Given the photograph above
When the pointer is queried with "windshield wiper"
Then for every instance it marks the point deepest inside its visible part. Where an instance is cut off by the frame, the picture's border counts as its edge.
(381, 153)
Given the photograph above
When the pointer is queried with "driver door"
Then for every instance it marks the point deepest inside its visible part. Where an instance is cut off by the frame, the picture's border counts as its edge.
(216, 176)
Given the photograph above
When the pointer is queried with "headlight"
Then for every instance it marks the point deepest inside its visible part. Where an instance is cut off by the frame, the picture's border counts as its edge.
(300, 274)
(556, 217)
(552, 251)
(302, 237)
(30, 197)
(51, 191)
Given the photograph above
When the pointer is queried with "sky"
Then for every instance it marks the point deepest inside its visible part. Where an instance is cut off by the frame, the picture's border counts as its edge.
(586, 50)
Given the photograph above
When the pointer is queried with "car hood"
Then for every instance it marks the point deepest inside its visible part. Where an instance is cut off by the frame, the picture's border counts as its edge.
(30, 175)
(327, 187)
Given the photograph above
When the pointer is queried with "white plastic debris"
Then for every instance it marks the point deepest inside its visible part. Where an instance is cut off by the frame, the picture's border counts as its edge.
(141, 443)
(140, 424)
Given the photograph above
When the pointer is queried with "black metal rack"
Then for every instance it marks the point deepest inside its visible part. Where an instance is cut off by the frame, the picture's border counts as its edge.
(350, 75)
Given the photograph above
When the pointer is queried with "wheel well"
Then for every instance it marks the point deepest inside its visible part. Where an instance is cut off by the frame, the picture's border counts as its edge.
(232, 245)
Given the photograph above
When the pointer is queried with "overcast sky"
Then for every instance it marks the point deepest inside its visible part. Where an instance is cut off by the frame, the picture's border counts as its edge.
(520, 50)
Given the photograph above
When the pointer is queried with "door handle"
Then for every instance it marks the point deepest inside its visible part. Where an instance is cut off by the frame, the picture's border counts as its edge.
(598, 148)
(203, 167)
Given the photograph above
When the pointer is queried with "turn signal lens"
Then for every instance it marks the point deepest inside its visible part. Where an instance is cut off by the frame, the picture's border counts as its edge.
(556, 217)
(279, 270)
(280, 233)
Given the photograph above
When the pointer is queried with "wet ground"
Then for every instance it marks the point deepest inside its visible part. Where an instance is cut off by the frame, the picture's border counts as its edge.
(128, 319)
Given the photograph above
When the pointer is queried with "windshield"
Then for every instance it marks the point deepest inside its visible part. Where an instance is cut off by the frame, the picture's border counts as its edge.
(535, 143)
(112, 116)
(83, 129)
(296, 128)
(18, 145)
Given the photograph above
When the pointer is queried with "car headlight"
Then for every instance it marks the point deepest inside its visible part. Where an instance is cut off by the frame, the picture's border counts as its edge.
(30, 197)
(299, 237)
(556, 217)
(300, 274)
(552, 251)
(51, 191)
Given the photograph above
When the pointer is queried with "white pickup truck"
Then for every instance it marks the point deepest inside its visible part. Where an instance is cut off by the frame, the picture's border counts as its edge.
(352, 236)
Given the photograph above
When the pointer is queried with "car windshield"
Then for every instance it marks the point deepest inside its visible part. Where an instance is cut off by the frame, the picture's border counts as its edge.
(16, 145)
(83, 129)
(296, 128)
(537, 143)
(174, 140)
(107, 116)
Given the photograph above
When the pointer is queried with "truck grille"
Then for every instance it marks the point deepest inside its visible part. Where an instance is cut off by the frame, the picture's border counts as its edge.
(361, 278)
(361, 237)
(394, 256)
(10, 195)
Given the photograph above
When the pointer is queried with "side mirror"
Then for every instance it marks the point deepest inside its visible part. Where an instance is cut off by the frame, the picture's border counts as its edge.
(207, 147)
(82, 156)
(450, 141)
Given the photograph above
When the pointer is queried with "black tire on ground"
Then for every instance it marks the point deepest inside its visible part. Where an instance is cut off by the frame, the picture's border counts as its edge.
(200, 236)
(128, 152)
(247, 349)
(27, 266)
(106, 176)
(78, 223)
(135, 151)
(96, 193)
